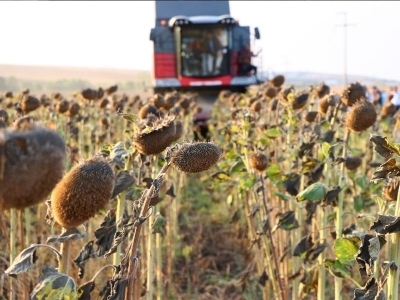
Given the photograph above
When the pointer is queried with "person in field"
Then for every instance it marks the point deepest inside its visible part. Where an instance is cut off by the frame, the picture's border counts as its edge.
(394, 97)
(244, 60)
(197, 48)
(213, 51)
(377, 98)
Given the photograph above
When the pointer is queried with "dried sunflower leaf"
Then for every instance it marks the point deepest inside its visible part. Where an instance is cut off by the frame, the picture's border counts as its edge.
(368, 253)
(387, 170)
(85, 290)
(315, 251)
(331, 197)
(386, 224)
(105, 233)
(303, 246)
(118, 289)
(328, 137)
(287, 221)
(170, 191)
(311, 207)
(263, 278)
(122, 182)
(70, 234)
(292, 184)
(117, 155)
(305, 149)
(23, 262)
(372, 290)
(383, 147)
(84, 255)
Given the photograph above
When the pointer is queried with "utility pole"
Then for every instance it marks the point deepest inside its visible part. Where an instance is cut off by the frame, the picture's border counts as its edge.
(345, 25)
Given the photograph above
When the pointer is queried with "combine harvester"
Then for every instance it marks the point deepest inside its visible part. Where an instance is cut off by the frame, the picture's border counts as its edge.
(196, 48)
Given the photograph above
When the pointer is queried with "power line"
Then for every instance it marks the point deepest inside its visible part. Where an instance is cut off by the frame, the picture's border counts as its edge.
(345, 25)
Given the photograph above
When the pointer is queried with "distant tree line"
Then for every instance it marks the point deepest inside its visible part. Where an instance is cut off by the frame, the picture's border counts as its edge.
(12, 83)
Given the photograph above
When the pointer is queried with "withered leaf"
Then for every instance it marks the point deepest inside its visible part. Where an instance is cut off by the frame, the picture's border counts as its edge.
(305, 149)
(349, 229)
(311, 207)
(118, 238)
(383, 147)
(386, 224)
(388, 169)
(307, 250)
(331, 197)
(368, 253)
(263, 278)
(105, 233)
(328, 136)
(117, 155)
(123, 181)
(316, 173)
(84, 255)
(292, 183)
(338, 161)
(170, 190)
(23, 262)
(303, 246)
(105, 291)
(70, 234)
(287, 221)
(85, 290)
(317, 249)
(373, 290)
(118, 289)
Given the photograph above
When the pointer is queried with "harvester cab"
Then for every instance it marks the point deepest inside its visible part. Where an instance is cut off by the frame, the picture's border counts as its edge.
(197, 46)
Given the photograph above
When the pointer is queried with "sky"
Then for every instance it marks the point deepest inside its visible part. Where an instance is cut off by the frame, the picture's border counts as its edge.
(295, 36)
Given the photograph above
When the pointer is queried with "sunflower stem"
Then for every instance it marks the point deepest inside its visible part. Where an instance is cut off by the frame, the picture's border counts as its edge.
(63, 266)
(121, 206)
(393, 277)
(13, 247)
(339, 212)
(134, 246)
(322, 239)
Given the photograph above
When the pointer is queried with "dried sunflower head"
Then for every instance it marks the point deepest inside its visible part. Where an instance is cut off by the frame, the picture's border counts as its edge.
(83, 191)
(259, 161)
(361, 116)
(194, 157)
(155, 139)
(353, 93)
(31, 164)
